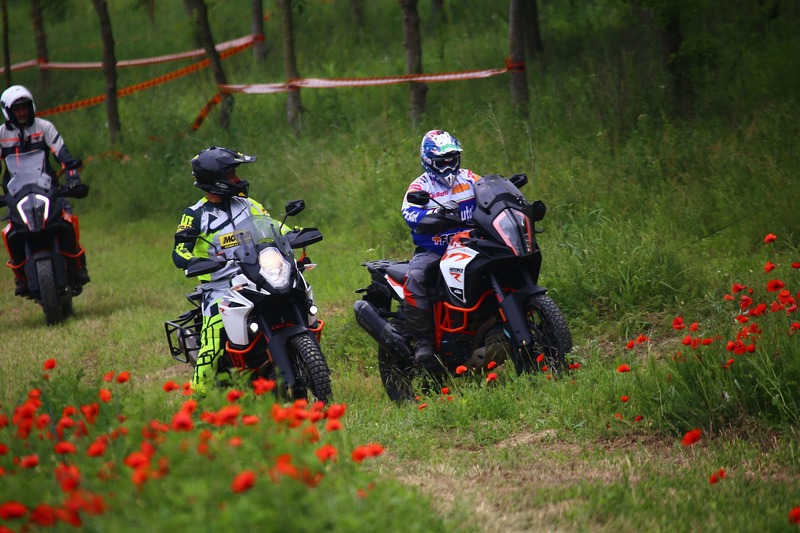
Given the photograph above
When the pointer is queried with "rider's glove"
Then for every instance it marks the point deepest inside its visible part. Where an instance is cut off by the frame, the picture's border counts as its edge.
(73, 179)
(448, 207)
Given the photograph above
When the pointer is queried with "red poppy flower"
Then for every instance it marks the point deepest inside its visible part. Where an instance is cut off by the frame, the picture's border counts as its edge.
(243, 481)
(623, 368)
(629, 345)
(43, 515)
(461, 369)
(691, 437)
(774, 285)
(170, 386)
(491, 365)
(336, 410)
(327, 452)
(13, 509)
(694, 326)
(108, 376)
(50, 364)
(182, 421)
(624, 399)
(794, 516)
(638, 418)
(728, 298)
(233, 395)
(65, 447)
(491, 377)
(422, 406)
(29, 461)
(737, 287)
(333, 425)
(122, 377)
(97, 448)
(369, 450)
(796, 264)
(574, 366)
(642, 339)
(445, 390)
(104, 395)
(713, 479)
(769, 267)
(677, 323)
(540, 358)
(261, 386)
(770, 238)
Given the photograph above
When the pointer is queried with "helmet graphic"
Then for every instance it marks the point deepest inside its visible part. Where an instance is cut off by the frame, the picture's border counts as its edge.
(17, 94)
(441, 156)
(212, 166)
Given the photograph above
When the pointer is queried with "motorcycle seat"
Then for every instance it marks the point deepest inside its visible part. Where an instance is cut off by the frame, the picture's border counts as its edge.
(397, 272)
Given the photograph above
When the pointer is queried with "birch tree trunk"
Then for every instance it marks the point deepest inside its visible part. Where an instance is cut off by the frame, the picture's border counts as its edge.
(257, 29)
(201, 19)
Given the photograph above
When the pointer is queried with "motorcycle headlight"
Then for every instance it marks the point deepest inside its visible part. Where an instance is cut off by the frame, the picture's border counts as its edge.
(274, 268)
(34, 211)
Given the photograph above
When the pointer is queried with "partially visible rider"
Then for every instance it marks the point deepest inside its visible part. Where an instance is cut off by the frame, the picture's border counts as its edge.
(454, 188)
(23, 132)
(224, 207)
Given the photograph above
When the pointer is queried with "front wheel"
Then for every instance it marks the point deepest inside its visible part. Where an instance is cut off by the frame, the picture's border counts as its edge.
(551, 337)
(311, 369)
(48, 297)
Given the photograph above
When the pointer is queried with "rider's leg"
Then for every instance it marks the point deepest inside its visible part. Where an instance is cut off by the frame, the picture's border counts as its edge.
(418, 306)
(73, 252)
(16, 263)
(210, 349)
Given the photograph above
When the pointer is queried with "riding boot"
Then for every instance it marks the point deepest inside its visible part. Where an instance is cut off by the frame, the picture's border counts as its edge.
(22, 282)
(76, 262)
(419, 324)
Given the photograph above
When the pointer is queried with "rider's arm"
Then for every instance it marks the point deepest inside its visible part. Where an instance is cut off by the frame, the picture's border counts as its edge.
(57, 146)
(183, 252)
(412, 213)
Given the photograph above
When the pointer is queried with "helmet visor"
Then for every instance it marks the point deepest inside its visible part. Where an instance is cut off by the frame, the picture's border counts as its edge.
(446, 165)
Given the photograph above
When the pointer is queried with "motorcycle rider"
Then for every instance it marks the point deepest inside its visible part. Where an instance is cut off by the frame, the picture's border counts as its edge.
(225, 206)
(453, 187)
(22, 131)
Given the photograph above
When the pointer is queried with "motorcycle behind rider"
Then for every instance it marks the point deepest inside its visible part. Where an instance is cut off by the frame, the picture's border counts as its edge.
(454, 188)
(23, 132)
(217, 215)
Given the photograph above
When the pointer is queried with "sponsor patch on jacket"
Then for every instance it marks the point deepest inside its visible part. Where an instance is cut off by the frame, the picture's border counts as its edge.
(228, 240)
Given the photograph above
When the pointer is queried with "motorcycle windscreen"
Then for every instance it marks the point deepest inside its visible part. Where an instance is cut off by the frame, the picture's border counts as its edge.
(27, 169)
(516, 230)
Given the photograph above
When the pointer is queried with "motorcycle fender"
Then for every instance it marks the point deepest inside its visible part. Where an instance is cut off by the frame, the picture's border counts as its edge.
(235, 309)
(513, 307)
(396, 287)
(276, 344)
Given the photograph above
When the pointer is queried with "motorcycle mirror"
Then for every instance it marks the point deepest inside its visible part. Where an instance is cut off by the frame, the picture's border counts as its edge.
(187, 235)
(294, 206)
(538, 209)
(519, 180)
(420, 198)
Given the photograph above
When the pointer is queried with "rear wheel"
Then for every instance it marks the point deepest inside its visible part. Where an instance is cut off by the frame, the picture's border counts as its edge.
(311, 369)
(48, 297)
(551, 338)
(396, 374)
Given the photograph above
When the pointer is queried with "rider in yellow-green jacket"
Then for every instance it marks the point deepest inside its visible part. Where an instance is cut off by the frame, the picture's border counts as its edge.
(224, 207)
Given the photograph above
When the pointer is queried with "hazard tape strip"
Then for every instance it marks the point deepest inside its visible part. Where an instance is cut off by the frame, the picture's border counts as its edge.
(145, 84)
(134, 62)
(320, 83)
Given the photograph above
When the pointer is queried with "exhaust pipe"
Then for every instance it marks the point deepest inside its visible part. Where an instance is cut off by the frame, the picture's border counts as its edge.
(379, 329)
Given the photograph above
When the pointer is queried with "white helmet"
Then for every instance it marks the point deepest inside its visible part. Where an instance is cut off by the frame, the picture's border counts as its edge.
(17, 94)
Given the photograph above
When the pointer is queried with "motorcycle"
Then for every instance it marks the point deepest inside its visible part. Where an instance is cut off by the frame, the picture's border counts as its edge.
(488, 306)
(35, 210)
(270, 328)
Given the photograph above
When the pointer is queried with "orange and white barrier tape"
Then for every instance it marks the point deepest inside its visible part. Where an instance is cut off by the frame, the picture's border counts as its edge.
(95, 65)
(321, 83)
(147, 84)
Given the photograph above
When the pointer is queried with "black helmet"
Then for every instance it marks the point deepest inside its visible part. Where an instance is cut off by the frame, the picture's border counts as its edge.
(212, 166)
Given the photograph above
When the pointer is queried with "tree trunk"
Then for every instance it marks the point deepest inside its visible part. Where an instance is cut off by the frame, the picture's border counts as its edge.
(41, 42)
(533, 35)
(516, 51)
(358, 13)
(6, 52)
(294, 108)
(438, 15)
(201, 18)
(413, 46)
(109, 69)
(257, 30)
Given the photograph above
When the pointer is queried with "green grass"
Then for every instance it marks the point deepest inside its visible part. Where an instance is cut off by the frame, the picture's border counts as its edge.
(652, 214)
